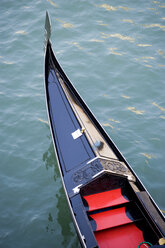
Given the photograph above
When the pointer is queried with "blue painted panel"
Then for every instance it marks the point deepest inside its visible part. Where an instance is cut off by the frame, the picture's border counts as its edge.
(72, 152)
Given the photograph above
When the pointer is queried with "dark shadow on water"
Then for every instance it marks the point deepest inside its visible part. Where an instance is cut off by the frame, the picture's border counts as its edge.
(62, 212)
(50, 160)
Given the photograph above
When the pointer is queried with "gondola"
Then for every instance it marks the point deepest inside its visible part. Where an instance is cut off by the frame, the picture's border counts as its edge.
(109, 205)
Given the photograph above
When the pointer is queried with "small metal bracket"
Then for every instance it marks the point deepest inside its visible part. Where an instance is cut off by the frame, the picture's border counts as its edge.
(82, 129)
(76, 190)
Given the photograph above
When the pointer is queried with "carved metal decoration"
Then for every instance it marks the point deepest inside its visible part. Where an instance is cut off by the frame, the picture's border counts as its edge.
(87, 172)
(117, 167)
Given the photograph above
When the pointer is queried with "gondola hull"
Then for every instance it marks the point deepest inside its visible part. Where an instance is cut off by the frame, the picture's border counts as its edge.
(109, 205)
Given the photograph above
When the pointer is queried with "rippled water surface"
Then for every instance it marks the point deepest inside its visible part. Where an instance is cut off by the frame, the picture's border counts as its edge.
(114, 53)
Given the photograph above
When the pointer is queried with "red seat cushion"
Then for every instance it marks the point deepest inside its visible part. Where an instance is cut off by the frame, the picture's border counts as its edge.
(105, 199)
(127, 236)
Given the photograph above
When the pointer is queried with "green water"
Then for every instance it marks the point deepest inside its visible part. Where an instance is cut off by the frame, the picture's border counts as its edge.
(113, 52)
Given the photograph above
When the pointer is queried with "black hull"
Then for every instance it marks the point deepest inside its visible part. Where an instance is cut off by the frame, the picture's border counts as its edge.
(104, 194)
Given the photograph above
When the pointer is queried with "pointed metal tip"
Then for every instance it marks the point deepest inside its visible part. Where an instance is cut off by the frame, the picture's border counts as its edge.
(47, 28)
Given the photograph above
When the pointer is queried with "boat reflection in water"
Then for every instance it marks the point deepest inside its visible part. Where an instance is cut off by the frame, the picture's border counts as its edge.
(64, 229)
